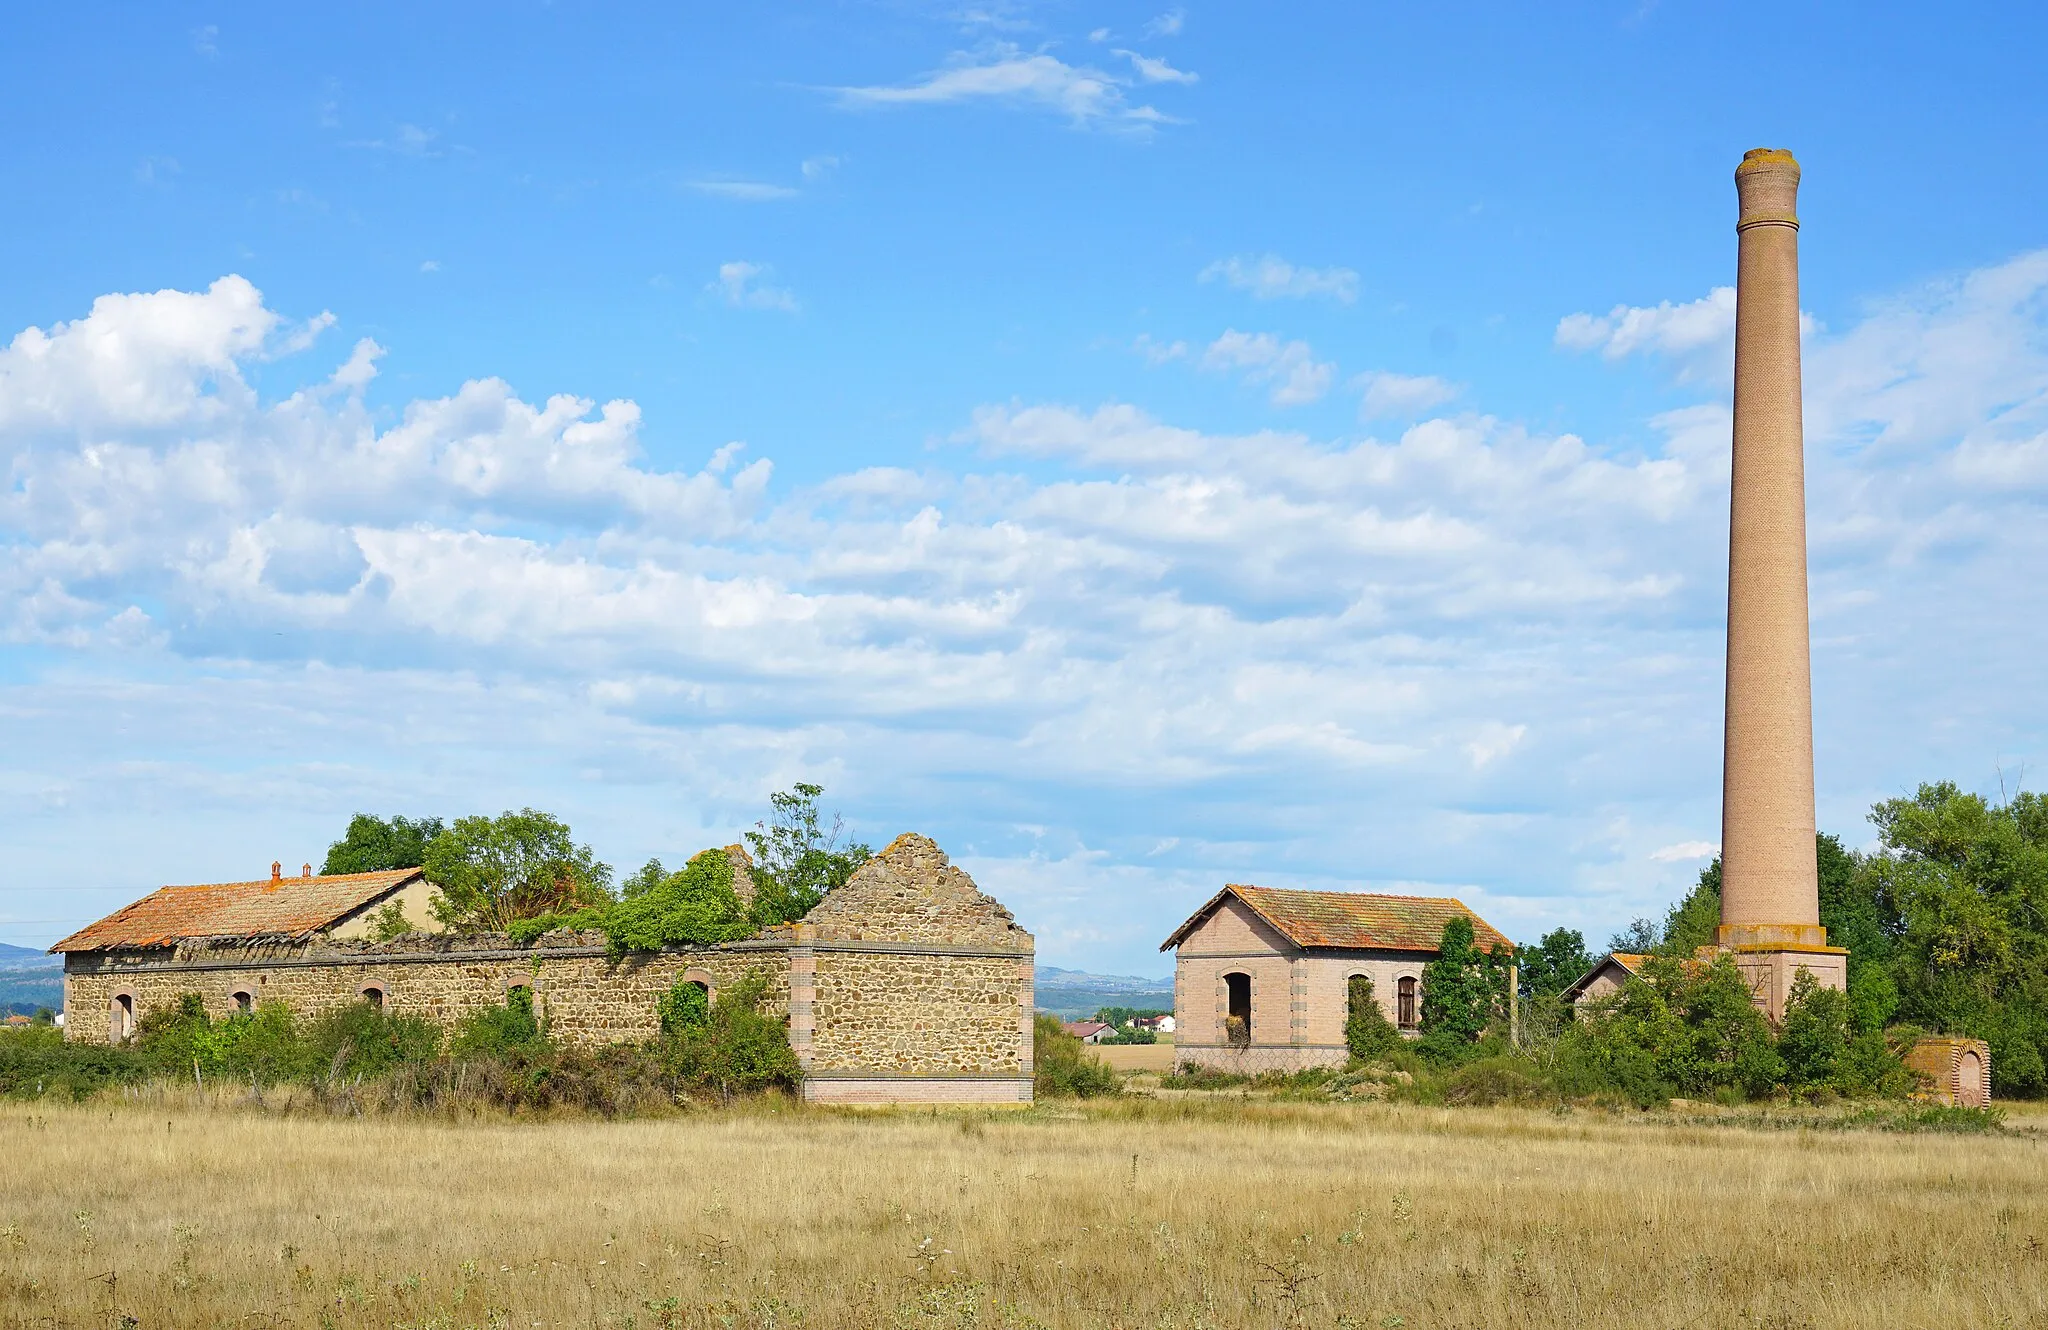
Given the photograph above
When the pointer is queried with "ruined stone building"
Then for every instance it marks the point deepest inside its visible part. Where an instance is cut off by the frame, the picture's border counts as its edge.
(1262, 977)
(906, 985)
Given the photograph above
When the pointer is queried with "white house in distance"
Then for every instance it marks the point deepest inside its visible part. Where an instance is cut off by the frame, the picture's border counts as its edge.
(1262, 976)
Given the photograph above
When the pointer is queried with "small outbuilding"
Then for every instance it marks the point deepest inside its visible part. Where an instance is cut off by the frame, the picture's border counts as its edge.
(1262, 976)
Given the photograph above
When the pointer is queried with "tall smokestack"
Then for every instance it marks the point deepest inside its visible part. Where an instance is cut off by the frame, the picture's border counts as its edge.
(1770, 900)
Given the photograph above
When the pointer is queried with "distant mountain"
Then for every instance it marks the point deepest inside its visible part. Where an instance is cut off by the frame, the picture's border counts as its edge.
(29, 979)
(1073, 994)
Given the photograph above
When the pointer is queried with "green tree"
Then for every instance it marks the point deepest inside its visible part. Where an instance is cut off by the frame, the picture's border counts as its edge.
(1695, 921)
(372, 844)
(696, 906)
(1463, 990)
(1815, 1033)
(490, 871)
(739, 1048)
(796, 858)
(1555, 963)
(1959, 894)
(1367, 1031)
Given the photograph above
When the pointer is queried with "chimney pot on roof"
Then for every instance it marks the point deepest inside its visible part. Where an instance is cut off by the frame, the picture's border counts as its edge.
(307, 871)
(276, 870)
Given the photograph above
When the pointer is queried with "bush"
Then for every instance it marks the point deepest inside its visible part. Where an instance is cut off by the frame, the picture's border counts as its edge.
(513, 1030)
(738, 1048)
(697, 906)
(36, 1061)
(1501, 1079)
(1062, 1066)
(1367, 1031)
(684, 1007)
(368, 1041)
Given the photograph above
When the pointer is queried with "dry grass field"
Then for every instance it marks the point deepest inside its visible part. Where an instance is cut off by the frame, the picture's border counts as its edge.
(1137, 1057)
(1155, 1214)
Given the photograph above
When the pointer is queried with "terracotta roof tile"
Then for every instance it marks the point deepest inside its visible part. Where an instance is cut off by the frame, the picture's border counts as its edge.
(1353, 919)
(289, 907)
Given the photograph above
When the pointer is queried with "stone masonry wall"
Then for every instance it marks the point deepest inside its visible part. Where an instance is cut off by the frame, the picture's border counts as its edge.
(906, 985)
(916, 1015)
(586, 996)
(910, 985)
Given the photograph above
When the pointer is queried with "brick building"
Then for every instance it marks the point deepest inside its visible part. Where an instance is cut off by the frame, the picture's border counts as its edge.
(1262, 976)
(906, 985)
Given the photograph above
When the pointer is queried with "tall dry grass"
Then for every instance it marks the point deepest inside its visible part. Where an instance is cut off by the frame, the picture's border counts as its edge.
(1147, 1215)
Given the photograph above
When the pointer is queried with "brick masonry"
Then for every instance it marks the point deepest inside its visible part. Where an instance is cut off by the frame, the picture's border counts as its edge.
(1300, 996)
(906, 985)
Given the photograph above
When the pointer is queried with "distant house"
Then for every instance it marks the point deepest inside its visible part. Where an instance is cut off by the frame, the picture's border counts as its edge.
(1262, 977)
(16, 1022)
(1090, 1032)
(1608, 974)
(1156, 1024)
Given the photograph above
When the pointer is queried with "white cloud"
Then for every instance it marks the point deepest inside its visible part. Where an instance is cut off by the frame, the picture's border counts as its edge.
(247, 614)
(156, 170)
(817, 168)
(1006, 73)
(406, 141)
(206, 41)
(1685, 851)
(1157, 352)
(1296, 376)
(1271, 277)
(1384, 394)
(1157, 71)
(1665, 329)
(1696, 338)
(430, 265)
(1168, 24)
(1494, 742)
(737, 283)
(744, 191)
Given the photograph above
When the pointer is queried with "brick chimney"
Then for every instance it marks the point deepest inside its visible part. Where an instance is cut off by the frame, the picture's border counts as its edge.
(276, 870)
(306, 871)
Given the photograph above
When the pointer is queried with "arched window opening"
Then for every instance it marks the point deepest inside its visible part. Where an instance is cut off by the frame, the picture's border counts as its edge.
(1405, 1002)
(244, 1000)
(121, 1027)
(1237, 1015)
(374, 995)
(686, 1006)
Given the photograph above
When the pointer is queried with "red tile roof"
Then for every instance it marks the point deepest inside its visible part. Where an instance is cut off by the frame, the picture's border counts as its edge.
(1351, 919)
(291, 907)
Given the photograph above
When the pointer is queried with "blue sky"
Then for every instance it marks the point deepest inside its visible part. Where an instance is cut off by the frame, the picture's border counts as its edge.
(1141, 447)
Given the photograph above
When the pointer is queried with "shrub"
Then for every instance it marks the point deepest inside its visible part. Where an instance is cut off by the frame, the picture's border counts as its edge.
(1367, 1031)
(1062, 1066)
(510, 1030)
(1815, 1035)
(695, 906)
(738, 1048)
(1501, 1079)
(37, 1061)
(368, 1041)
(684, 1007)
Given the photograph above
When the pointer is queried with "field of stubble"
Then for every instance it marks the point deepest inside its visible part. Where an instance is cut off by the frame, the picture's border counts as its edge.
(1149, 1215)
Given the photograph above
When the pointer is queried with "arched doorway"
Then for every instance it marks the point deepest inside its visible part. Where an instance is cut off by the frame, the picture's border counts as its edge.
(1971, 1090)
(1237, 1008)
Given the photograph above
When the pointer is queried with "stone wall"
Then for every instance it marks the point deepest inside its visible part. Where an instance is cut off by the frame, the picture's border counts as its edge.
(586, 996)
(915, 987)
(906, 985)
